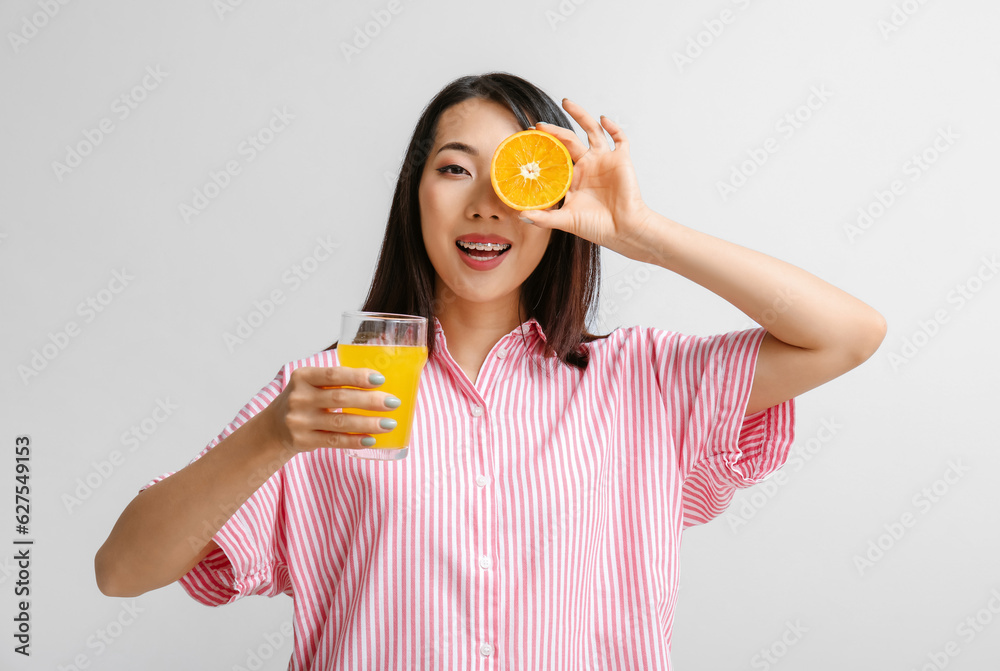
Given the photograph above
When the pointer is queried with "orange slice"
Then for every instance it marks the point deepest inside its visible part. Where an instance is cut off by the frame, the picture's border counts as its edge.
(531, 170)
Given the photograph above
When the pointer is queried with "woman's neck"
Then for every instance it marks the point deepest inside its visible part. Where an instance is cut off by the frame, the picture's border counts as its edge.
(473, 330)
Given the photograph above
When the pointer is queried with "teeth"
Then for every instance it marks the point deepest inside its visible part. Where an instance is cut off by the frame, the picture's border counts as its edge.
(483, 246)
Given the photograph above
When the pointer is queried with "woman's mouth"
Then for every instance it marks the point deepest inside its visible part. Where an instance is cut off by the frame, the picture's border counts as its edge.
(482, 251)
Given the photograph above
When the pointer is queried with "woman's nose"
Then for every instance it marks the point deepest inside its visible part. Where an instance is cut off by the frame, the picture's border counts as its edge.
(487, 204)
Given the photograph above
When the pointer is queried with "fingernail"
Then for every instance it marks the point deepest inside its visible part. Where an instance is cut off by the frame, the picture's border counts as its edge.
(525, 219)
(387, 423)
(376, 378)
(367, 441)
(393, 402)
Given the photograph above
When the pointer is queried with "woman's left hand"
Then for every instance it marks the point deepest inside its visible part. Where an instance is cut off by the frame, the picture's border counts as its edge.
(603, 204)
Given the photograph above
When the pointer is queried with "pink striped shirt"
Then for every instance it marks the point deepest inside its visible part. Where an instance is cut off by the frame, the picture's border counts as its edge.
(535, 524)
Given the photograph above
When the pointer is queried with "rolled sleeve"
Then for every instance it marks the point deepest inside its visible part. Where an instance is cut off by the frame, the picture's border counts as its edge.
(248, 560)
(720, 449)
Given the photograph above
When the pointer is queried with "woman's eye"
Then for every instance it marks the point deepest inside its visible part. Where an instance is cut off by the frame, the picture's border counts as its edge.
(448, 169)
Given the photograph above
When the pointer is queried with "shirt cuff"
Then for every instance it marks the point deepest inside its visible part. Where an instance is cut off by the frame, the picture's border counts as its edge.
(228, 573)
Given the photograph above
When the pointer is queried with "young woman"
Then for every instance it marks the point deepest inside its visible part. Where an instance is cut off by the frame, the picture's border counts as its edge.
(537, 520)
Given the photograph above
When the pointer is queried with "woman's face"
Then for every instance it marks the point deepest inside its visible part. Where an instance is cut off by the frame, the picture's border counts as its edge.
(458, 207)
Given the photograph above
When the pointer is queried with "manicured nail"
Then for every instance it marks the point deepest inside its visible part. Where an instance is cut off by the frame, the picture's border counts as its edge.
(393, 402)
(387, 423)
(367, 441)
(525, 219)
(376, 378)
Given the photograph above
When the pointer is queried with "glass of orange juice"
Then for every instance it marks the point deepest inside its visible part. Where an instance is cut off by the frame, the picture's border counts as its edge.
(395, 346)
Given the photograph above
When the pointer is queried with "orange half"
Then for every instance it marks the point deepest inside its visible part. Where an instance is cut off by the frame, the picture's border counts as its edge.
(531, 170)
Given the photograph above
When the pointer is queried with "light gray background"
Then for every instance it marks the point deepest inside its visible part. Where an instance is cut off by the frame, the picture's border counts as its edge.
(786, 580)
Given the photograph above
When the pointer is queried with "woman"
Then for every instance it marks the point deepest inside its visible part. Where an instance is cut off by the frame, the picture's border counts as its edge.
(537, 519)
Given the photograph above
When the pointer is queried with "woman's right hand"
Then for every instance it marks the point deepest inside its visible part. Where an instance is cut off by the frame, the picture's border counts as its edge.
(309, 413)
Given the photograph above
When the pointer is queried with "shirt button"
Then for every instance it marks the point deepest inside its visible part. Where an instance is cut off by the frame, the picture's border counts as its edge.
(501, 354)
(486, 650)
(482, 480)
(485, 561)
(477, 411)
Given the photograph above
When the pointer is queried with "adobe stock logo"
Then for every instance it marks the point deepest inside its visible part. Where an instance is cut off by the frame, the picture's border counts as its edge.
(625, 287)
(273, 642)
(901, 14)
(121, 108)
(774, 653)
(895, 530)
(105, 637)
(102, 470)
(30, 27)
(562, 13)
(751, 501)
(787, 125)
(88, 309)
(969, 629)
(883, 199)
(248, 150)
(713, 29)
(363, 35)
(294, 277)
(959, 296)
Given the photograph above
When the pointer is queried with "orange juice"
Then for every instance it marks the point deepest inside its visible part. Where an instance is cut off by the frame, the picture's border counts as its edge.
(401, 366)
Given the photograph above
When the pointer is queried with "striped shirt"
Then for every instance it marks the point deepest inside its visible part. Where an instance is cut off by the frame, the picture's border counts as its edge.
(535, 524)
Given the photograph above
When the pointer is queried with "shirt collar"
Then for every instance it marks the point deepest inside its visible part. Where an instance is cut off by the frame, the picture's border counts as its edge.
(527, 328)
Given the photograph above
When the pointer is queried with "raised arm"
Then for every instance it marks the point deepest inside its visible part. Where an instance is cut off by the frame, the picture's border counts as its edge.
(816, 332)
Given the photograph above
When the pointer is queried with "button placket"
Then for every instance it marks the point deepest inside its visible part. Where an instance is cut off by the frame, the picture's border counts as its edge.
(483, 540)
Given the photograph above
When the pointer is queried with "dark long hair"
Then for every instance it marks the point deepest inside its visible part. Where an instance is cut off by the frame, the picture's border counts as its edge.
(560, 294)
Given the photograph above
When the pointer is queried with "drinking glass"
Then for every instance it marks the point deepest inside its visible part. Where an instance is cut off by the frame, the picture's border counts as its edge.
(396, 346)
